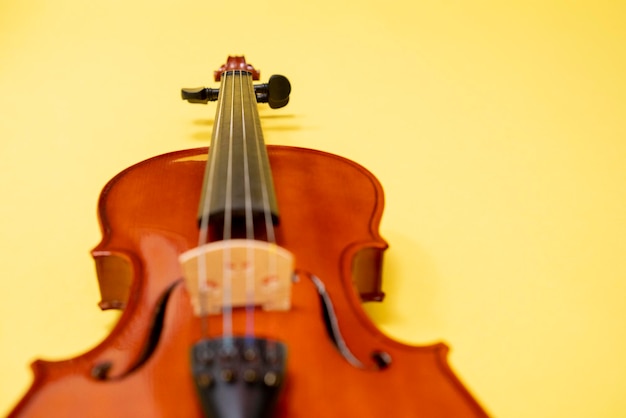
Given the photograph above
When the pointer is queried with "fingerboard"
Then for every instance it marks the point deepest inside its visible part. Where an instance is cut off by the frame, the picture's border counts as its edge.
(238, 186)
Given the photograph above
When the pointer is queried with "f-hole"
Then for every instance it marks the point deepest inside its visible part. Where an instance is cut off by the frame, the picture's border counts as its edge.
(101, 370)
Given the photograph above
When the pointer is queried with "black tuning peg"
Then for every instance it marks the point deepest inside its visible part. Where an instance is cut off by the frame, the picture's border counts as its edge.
(275, 92)
(200, 95)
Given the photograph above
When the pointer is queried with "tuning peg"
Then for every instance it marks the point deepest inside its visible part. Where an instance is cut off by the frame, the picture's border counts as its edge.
(200, 95)
(275, 92)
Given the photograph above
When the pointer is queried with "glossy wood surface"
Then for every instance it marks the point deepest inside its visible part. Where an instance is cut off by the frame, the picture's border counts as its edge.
(331, 209)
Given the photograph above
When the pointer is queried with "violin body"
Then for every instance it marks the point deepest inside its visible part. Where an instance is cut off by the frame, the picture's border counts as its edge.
(142, 367)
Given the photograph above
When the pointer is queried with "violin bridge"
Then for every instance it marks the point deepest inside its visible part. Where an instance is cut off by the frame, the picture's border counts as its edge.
(236, 273)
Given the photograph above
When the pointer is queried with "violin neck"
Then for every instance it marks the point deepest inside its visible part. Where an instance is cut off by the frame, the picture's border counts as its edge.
(238, 186)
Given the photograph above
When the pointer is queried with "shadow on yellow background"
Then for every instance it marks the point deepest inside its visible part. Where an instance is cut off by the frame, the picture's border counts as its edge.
(497, 130)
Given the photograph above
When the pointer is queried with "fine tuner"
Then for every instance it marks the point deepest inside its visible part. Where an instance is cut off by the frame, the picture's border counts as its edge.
(275, 92)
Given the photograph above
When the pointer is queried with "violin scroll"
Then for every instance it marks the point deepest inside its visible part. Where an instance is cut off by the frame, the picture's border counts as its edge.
(275, 92)
(236, 63)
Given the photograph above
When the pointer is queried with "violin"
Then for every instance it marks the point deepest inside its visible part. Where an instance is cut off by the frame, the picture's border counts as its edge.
(240, 270)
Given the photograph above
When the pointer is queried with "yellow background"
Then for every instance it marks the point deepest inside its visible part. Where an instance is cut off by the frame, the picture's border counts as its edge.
(496, 128)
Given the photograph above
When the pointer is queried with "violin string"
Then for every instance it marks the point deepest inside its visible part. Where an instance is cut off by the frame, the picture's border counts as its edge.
(249, 217)
(267, 213)
(264, 180)
(203, 236)
(227, 310)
